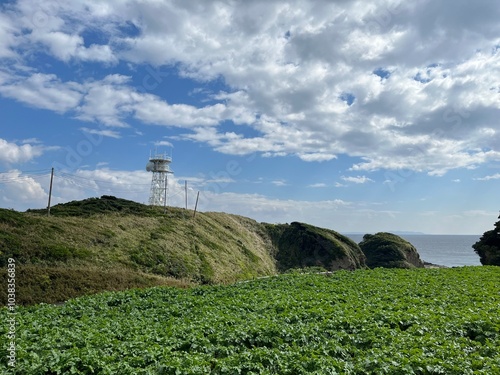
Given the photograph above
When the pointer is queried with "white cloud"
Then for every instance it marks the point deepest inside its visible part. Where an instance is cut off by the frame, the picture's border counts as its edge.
(19, 190)
(289, 69)
(66, 46)
(12, 153)
(151, 110)
(279, 183)
(43, 91)
(316, 156)
(357, 179)
(102, 132)
(164, 143)
(213, 196)
(318, 185)
(35, 141)
(271, 210)
(433, 155)
(495, 176)
(109, 101)
(476, 213)
(133, 185)
(7, 37)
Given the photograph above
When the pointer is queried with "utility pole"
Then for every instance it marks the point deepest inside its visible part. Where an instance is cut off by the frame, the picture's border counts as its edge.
(165, 197)
(196, 204)
(50, 191)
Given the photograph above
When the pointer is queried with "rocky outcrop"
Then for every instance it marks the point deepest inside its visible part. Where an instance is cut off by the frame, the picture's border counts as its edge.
(390, 251)
(299, 245)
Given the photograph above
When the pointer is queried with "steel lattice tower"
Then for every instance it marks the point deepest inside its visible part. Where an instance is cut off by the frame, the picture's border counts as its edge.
(159, 165)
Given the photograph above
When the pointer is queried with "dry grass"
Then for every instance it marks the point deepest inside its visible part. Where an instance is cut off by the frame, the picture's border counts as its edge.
(36, 284)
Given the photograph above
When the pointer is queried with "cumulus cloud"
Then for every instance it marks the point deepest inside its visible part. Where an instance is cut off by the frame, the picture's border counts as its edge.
(66, 46)
(151, 110)
(19, 190)
(12, 153)
(22, 191)
(109, 101)
(45, 91)
(399, 85)
(271, 210)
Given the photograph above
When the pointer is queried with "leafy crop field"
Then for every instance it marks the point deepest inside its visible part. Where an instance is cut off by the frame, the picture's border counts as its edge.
(420, 321)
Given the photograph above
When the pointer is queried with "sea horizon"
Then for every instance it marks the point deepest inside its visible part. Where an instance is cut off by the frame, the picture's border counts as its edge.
(449, 250)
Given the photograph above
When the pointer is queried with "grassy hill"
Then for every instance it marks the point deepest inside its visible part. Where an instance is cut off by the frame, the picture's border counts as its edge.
(110, 244)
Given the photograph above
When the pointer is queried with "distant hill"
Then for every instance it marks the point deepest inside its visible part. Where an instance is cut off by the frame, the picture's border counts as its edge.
(110, 243)
(397, 232)
(402, 233)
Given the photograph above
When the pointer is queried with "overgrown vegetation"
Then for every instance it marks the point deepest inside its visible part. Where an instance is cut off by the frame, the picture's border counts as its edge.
(390, 251)
(55, 284)
(112, 237)
(300, 245)
(102, 205)
(110, 234)
(488, 246)
(418, 321)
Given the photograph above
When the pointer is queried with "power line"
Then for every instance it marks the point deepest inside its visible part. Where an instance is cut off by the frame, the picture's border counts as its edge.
(42, 177)
(17, 176)
(65, 174)
(26, 172)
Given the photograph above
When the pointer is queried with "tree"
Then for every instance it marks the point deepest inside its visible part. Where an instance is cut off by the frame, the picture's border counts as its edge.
(488, 246)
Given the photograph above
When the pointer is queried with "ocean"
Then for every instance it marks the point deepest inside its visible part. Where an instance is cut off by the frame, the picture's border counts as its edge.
(444, 250)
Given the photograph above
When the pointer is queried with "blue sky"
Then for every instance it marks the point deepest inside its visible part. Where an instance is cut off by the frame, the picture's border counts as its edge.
(354, 116)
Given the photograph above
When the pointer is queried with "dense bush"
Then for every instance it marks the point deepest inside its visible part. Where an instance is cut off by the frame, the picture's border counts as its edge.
(104, 204)
(488, 246)
(300, 245)
(390, 251)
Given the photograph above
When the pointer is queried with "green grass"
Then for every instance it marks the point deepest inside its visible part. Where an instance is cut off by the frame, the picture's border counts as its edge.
(115, 236)
(390, 251)
(383, 321)
(300, 245)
